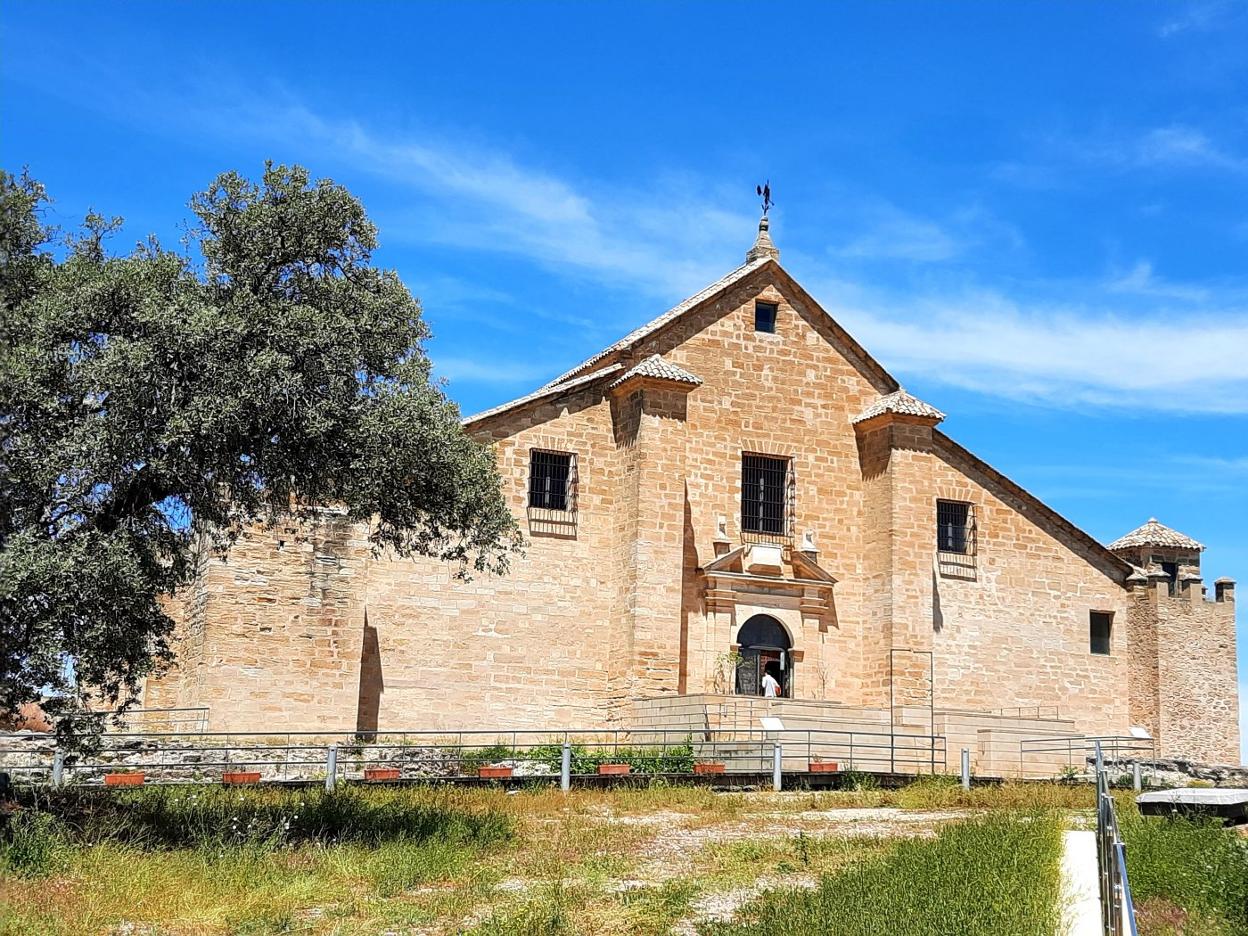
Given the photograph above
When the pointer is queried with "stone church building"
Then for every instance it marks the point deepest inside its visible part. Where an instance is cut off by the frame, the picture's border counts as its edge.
(735, 488)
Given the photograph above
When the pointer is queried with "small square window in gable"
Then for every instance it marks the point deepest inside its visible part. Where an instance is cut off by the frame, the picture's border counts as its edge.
(765, 316)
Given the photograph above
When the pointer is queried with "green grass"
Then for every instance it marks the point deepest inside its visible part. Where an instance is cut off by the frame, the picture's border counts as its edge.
(219, 817)
(1188, 876)
(997, 875)
(214, 861)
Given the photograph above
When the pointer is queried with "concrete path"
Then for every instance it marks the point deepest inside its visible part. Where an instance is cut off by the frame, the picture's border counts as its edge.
(1081, 898)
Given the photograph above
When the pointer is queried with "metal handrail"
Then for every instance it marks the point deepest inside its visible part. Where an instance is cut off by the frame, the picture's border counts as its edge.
(1117, 906)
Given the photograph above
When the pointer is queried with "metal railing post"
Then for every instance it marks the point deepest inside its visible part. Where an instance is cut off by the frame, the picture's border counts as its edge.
(777, 775)
(58, 769)
(565, 768)
(966, 769)
(331, 767)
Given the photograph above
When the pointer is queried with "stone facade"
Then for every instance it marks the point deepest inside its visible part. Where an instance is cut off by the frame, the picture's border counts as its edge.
(639, 585)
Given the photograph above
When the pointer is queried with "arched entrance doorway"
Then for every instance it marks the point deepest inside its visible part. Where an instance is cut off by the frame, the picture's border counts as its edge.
(764, 647)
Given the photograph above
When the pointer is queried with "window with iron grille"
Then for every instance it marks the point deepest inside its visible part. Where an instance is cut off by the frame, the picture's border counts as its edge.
(955, 527)
(552, 480)
(1100, 625)
(765, 492)
(765, 316)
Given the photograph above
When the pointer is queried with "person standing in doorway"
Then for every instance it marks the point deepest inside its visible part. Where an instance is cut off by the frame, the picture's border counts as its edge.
(771, 685)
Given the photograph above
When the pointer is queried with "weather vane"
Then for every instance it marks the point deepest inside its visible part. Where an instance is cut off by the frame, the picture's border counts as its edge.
(764, 192)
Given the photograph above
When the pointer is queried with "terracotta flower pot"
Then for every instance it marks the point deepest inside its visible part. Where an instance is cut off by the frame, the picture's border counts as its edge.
(613, 770)
(824, 766)
(123, 779)
(381, 774)
(494, 773)
(240, 777)
(708, 767)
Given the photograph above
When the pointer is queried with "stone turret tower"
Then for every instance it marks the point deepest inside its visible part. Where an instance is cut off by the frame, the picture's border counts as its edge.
(1182, 679)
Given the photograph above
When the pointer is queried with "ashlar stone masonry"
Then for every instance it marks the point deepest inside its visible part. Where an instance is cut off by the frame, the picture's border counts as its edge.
(736, 488)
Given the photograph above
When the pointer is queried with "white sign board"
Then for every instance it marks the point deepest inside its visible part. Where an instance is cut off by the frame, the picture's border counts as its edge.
(772, 723)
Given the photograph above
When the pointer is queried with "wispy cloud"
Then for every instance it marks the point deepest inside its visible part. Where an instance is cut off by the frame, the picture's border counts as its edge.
(1141, 281)
(1179, 145)
(1194, 17)
(668, 240)
(1056, 353)
(479, 369)
(899, 236)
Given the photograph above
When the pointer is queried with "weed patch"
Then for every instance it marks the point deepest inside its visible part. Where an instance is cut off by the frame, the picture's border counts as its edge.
(1195, 866)
(995, 875)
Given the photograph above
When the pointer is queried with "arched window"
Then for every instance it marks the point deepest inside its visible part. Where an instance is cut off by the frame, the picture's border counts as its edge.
(764, 647)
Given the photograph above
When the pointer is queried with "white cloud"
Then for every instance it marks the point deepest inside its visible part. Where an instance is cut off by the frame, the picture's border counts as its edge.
(1178, 145)
(1197, 17)
(898, 236)
(1141, 281)
(668, 240)
(483, 371)
(1055, 353)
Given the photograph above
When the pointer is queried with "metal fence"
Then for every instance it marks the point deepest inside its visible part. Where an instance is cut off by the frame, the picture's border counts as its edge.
(1117, 907)
(180, 757)
(1075, 758)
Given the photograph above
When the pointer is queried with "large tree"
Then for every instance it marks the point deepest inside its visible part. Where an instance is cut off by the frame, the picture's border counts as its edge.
(156, 402)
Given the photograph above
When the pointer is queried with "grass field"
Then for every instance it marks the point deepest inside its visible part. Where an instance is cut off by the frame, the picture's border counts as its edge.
(657, 860)
(1189, 878)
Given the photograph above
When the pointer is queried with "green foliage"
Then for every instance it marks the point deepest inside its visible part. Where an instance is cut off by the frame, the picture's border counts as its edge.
(997, 875)
(1195, 864)
(31, 844)
(215, 818)
(674, 758)
(154, 404)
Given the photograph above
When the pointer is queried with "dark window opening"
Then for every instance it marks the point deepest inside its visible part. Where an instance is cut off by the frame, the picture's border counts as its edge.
(549, 480)
(764, 482)
(1101, 623)
(765, 316)
(955, 532)
(1172, 574)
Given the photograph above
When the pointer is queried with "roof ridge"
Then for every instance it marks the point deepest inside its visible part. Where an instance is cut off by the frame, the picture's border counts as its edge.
(654, 324)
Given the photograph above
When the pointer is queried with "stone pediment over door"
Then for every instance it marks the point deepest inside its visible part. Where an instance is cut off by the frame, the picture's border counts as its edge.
(748, 574)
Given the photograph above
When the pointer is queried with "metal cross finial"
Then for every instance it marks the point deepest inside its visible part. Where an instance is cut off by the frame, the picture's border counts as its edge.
(764, 191)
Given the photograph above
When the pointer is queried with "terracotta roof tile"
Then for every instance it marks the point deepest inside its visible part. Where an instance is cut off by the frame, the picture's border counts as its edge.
(655, 367)
(1155, 534)
(899, 402)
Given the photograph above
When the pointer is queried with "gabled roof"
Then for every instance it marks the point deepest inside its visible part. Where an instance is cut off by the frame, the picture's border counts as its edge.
(585, 373)
(656, 368)
(671, 314)
(899, 402)
(543, 392)
(1155, 534)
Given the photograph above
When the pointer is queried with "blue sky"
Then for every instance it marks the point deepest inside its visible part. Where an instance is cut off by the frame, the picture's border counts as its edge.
(1035, 215)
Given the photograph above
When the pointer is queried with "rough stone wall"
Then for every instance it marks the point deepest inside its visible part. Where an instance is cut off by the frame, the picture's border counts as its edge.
(1144, 689)
(1198, 711)
(274, 635)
